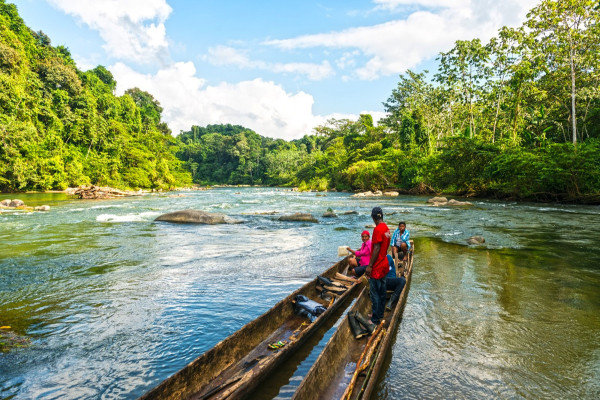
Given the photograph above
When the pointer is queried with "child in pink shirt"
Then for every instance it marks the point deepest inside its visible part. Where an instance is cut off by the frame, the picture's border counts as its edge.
(359, 265)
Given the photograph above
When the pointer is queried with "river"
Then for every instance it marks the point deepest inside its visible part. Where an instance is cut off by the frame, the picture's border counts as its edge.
(114, 302)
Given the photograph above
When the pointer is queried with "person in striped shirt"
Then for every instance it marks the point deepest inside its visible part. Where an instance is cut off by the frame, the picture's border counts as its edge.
(401, 242)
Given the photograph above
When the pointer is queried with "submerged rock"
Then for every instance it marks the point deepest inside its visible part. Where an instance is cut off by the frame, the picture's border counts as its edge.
(196, 217)
(10, 340)
(476, 240)
(351, 212)
(298, 217)
(42, 208)
(341, 228)
(329, 214)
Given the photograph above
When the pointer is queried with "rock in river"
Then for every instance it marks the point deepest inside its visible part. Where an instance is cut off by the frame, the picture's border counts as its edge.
(476, 240)
(16, 203)
(300, 217)
(329, 214)
(437, 200)
(196, 217)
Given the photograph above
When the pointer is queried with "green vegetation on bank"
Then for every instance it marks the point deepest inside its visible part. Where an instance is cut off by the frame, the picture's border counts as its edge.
(62, 127)
(517, 117)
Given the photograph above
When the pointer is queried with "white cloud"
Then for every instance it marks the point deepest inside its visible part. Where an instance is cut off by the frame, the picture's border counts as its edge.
(314, 72)
(394, 4)
(225, 55)
(395, 46)
(132, 30)
(262, 106)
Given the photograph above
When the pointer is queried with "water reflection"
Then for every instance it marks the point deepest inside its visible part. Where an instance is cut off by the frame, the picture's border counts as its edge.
(484, 323)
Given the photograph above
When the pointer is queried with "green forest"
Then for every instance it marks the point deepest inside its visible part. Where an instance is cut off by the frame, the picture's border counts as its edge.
(62, 127)
(517, 117)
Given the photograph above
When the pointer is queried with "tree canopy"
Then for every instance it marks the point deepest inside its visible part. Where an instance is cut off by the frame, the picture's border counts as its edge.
(60, 126)
(518, 116)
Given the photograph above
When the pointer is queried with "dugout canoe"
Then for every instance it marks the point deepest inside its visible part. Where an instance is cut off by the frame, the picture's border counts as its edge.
(237, 364)
(331, 375)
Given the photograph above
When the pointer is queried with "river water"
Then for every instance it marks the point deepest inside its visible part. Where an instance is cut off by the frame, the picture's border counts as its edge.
(114, 302)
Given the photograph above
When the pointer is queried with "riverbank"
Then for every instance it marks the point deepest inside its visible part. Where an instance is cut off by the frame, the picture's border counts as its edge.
(420, 190)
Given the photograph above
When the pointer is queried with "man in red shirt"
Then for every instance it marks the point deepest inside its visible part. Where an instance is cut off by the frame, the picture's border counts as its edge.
(378, 265)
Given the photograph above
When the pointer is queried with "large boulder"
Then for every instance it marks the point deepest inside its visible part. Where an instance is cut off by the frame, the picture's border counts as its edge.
(453, 202)
(391, 193)
(16, 203)
(437, 200)
(42, 208)
(196, 217)
(5, 203)
(298, 217)
(97, 192)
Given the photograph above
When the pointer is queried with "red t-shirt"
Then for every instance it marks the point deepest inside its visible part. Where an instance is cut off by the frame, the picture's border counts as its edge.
(381, 234)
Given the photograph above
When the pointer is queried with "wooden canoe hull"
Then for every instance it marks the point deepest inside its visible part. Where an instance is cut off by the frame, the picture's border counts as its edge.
(237, 364)
(330, 375)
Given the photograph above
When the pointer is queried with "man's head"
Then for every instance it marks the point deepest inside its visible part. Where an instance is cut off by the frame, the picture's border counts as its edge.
(377, 213)
(402, 226)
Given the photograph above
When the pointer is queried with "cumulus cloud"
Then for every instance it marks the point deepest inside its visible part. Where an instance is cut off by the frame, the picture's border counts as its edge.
(132, 30)
(262, 106)
(225, 55)
(397, 45)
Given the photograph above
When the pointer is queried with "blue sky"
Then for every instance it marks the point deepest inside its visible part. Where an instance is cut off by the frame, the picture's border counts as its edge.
(278, 67)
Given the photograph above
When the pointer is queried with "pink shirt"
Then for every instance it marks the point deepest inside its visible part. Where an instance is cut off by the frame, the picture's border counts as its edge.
(364, 253)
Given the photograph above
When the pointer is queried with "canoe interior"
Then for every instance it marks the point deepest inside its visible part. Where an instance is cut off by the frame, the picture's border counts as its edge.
(330, 375)
(238, 364)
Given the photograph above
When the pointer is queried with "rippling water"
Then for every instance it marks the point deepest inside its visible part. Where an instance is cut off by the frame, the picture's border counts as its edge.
(114, 302)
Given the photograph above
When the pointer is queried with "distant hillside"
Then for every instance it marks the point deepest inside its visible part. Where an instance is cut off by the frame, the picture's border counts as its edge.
(62, 127)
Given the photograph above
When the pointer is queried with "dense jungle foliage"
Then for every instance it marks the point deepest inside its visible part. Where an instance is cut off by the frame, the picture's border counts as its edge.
(62, 127)
(517, 117)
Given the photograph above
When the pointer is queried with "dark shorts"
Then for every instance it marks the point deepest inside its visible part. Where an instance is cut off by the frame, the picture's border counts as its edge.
(360, 270)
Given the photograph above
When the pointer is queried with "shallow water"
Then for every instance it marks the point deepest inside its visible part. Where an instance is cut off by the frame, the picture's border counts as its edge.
(114, 302)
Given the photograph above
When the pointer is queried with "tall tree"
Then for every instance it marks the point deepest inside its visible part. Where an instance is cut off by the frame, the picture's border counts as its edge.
(566, 32)
(463, 69)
